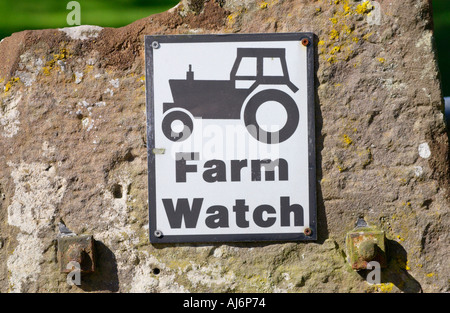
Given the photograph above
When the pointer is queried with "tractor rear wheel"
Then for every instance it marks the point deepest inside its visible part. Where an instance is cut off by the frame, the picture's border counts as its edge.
(284, 132)
(167, 126)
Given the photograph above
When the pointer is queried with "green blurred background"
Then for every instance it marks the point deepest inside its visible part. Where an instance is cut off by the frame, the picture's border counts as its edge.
(441, 15)
(17, 15)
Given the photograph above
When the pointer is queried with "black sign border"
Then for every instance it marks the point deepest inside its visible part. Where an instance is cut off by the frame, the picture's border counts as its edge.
(151, 137)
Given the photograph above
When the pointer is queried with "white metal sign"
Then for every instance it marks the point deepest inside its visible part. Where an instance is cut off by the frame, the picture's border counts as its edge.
(230, 127)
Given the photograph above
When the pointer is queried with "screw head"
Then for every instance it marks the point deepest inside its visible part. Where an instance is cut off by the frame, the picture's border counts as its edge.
(307, 231)
(158, 233)
(155, 45)
(305, 42)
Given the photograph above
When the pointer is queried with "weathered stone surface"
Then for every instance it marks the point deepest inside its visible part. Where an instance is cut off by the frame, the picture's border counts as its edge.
(73, 147)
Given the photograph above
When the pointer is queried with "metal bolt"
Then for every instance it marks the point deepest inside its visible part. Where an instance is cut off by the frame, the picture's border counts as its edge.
(79, 249)
(305, 42)
(368, 250)
(155, 45)
(365, 244)
(307, 231)
(158, 233)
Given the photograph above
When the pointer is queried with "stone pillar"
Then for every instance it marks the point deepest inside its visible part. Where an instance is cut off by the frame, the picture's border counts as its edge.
(73, 148)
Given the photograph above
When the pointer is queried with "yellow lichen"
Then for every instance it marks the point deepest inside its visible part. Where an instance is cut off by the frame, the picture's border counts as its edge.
(8, 86)
(88, 68)
(331, 60)
(430, 274)
(347, 140)
(403, 264)
(347, 9)
(366, 36)
(364, 7)
(263, 5)
(347, 29)
(381, 60)
(407, 267)
(335, 49)
(10, 83)
(334, 34)
(333, 20)
(232, 17)
(62, 55)
(321, 43)
(343, 29)
(385, 287)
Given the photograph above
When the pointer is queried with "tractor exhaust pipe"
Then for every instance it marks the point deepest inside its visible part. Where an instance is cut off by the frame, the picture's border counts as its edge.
(190, 73)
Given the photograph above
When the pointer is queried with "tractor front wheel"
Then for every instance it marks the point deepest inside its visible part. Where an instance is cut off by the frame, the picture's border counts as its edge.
(167, 126)
(253, 126)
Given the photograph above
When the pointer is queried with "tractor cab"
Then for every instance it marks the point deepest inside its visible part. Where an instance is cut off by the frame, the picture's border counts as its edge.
(256, 66)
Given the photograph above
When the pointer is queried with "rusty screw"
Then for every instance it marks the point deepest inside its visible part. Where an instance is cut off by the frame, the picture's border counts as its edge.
(305, 42)
(307, 231)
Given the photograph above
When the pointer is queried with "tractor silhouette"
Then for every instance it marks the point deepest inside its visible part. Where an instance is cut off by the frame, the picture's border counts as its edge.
(225, 101)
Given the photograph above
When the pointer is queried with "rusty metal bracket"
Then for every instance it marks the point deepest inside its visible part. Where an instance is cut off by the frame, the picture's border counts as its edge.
(79, 249)
(365, 244)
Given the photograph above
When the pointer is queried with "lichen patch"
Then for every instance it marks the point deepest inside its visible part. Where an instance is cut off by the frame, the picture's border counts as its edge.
(82, 32)
(424, 150)
(38, 191)
(9, 116)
